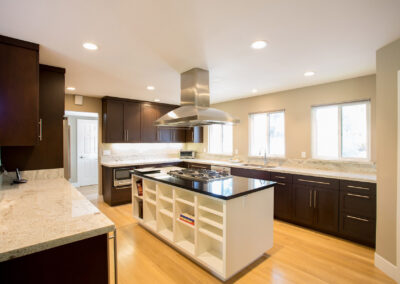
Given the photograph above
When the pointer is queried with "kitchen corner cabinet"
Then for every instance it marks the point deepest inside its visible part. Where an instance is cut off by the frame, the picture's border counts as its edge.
(316, 202)
(121, 121)
(283, 196)
(51, 113)
(19, 92)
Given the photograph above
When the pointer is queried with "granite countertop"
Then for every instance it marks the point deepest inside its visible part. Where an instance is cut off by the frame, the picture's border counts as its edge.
(226, 189)
(299, 171)
(43, 214)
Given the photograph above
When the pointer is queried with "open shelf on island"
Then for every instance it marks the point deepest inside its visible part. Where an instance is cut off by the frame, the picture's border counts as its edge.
(212, 232)
(152, 224)
(186, 246)
(210, 252)
(211, 219)
(166, 199)
(167, 213)
(166, 233)
(165, 226)
(184, 223)
(149, 185)
(185, 197)
(151, 201)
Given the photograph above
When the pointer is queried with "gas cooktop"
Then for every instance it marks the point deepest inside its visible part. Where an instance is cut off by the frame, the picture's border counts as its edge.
(199, 174)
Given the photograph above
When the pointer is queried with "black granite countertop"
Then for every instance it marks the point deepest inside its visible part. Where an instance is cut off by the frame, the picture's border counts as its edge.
(226, 189)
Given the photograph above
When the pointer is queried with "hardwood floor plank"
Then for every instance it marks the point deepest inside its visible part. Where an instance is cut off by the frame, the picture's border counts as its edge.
(299, 255)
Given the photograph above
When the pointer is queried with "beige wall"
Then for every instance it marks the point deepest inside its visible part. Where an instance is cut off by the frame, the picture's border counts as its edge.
(387, 66)
(297, 105)
(90, 104)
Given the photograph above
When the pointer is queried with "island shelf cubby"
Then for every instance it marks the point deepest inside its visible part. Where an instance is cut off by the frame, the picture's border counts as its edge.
(206, 241)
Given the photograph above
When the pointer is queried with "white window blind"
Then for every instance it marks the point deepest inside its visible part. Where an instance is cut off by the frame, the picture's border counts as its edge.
(267, 134)
(341, 131)
(220, 139)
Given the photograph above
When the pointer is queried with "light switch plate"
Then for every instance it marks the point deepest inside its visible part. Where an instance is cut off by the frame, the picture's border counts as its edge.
(303, 154)
(106, 152)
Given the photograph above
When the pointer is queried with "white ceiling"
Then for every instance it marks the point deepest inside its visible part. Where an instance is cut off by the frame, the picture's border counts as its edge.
(150, 42)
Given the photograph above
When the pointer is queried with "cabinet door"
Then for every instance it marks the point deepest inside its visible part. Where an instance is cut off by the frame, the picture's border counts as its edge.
(149, 114)
(326, 203)
(164, 134)
(51, 110)
(113, 121)
(178, 135)
(283, 201)
(132, 122)
(194, 134)
(19, 95)
(303, 211)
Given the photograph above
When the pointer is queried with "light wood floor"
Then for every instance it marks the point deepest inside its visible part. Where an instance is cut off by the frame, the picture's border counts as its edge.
(298, 256)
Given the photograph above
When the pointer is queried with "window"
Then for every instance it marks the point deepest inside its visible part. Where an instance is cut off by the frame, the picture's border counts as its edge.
(220, 139)
(267, 134)
(341, 131)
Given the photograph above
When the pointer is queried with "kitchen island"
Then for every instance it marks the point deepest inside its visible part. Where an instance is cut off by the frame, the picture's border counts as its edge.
(232, 217)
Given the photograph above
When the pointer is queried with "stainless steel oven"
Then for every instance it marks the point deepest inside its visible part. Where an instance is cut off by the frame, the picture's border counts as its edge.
(187, 154)
(121, 177)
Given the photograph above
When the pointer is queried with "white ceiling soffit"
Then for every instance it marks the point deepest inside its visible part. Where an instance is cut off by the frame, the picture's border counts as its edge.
(145, 43)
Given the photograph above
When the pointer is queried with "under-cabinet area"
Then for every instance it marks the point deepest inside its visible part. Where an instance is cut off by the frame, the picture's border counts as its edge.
(211, 231)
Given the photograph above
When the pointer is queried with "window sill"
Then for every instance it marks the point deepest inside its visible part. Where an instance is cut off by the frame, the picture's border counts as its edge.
(344, 161)
(218, 154)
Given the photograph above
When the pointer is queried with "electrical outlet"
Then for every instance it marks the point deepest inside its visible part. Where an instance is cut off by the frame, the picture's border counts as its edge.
(303, 154)
(106, 152)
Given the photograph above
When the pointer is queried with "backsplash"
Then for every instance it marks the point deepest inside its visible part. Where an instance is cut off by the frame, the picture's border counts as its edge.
(140, 151)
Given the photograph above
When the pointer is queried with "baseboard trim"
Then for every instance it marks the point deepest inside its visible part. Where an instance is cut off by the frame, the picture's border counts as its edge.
(100, 198)
(387, 267)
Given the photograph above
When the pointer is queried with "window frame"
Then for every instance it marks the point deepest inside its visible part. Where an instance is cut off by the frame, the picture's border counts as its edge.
(340, 137)
(222, 140)
(267, 134)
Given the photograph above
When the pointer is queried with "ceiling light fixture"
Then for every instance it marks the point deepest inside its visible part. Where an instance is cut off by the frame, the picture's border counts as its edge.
(254, 91)
(156, 100)
(71, 88)
(259, 44)
(90, 46)
(309, 73)
(150, 88)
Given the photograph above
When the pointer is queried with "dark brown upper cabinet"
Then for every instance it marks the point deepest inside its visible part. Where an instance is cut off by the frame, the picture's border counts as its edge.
(19, 92)
(149, 114)
(121, 121)
(194, 135)
(51, 112)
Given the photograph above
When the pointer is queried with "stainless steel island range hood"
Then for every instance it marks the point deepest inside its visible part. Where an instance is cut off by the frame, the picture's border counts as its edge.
(195, 107)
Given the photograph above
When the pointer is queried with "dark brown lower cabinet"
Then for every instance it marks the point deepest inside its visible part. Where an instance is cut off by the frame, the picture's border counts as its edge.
(114, 195)
(326, 209)
(249, 173)
(84, 261)
(303, 211)
(283, 201)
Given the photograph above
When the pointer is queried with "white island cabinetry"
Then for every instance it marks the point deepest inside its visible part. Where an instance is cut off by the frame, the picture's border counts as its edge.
(227, 235)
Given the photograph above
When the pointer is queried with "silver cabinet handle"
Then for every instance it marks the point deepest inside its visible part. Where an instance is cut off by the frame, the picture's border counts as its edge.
(313, 181)
(357, 218)
(40, 129)
(193, 136)
(358, 187)
(280, 177)
(114, 238)
(310, 198)
(315, 199)
(281, 183)
(358, 195)
(127, 135)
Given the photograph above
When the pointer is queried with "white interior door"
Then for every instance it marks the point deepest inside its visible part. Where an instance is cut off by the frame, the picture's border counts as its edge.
(87, 135)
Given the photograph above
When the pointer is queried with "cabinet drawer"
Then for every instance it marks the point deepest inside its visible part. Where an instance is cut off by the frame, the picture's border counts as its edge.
(249, 173)
(357, 228)
(365, 188)
(280, 177)
(120, 195)
(316, 181)
(357, 203)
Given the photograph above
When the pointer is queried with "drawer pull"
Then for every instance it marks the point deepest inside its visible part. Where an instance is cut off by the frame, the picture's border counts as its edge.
(357, 218)
(310, 198)
(281, 177)
(358, 195)
(314, 181)
(315, 199)
(358, 187)
(280, 183)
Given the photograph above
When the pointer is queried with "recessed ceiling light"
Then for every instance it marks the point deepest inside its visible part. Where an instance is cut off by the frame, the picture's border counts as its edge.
(156, 100)
(151, 88)
(259, 44)
(90, 46)
(309, 73)
(71, 88)
(254, 90)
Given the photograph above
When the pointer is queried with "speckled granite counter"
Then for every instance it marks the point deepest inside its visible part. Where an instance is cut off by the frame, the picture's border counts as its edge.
(300, 171)
(43, 214)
